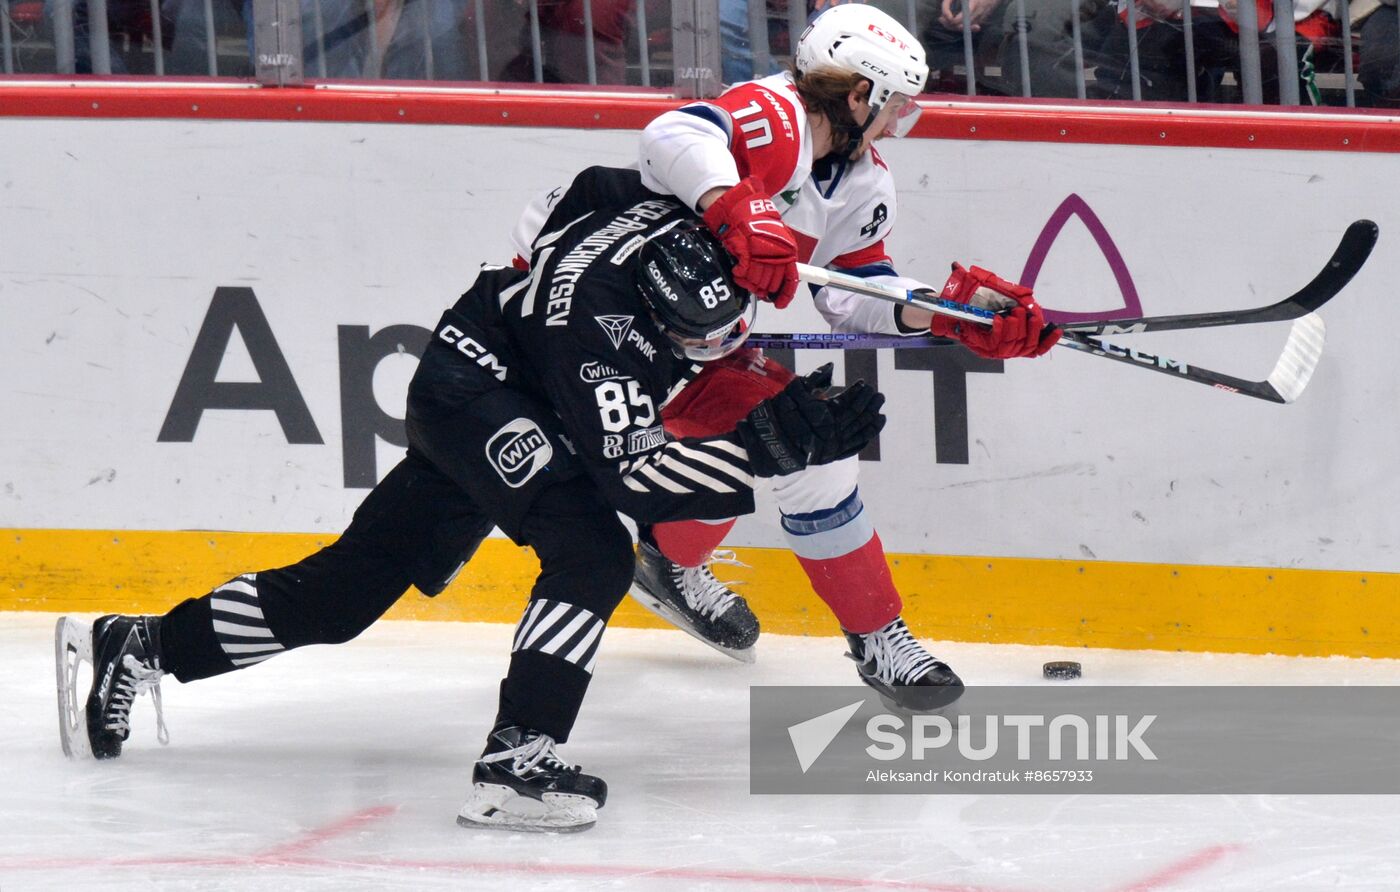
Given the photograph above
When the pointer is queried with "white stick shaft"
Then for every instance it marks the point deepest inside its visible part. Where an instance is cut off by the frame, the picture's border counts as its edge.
(816, 275)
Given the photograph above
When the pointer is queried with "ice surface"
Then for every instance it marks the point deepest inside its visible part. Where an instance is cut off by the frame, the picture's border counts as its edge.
(343, 768)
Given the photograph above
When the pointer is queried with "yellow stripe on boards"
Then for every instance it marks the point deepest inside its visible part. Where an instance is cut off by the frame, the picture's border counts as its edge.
(998, 600)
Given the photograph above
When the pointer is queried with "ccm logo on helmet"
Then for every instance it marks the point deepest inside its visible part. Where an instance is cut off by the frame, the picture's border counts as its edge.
(518, 451)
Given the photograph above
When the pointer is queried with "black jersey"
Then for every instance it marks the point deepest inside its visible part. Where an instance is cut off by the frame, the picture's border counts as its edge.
(575, 333)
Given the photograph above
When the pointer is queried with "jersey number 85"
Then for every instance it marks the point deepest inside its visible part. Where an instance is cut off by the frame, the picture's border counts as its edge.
(616, 406)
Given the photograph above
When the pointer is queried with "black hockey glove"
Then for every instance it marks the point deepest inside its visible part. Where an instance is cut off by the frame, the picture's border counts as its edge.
(781, 432)
(856, 412)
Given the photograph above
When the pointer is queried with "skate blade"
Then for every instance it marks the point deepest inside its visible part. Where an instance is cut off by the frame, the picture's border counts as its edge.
(72, 648)
(743, 655)
(943, 705)
(493, 807)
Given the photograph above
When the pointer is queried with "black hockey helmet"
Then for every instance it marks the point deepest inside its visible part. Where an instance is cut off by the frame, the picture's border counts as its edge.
(687, 280)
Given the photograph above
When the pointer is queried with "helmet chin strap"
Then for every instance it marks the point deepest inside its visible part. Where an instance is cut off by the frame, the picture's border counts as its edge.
(856, 132)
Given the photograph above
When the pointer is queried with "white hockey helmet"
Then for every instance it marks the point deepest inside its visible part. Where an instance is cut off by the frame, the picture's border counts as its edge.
(861, 39)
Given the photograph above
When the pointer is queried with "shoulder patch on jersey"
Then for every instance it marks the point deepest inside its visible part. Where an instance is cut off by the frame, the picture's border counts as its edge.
(878, 217)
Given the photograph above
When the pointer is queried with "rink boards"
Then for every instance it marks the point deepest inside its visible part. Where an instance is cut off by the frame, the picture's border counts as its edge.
(312, 236)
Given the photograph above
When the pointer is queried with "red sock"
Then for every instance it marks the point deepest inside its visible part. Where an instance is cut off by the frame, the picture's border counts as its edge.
(856, 586)
(689, 542)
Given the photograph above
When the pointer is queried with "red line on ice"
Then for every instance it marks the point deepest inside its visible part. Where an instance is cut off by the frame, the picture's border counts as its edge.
(1168, 875)
(620, 872)
(325, 833)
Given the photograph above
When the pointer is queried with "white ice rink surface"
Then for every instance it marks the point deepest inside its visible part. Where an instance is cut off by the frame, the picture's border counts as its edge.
(343, 768)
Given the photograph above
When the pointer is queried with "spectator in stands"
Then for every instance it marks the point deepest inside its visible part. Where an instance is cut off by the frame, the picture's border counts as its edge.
(136, 46)
(563, 41)
(1380, 50)
(407, 39)
(1049, 29)
(737, 56)
(1215, 32)
(941, 29)
(128, 25)
(736, 50)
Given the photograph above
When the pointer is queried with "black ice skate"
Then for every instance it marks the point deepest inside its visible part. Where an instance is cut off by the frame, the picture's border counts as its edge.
(520, 783)
(124, 652)
(909, 679)
(694, 601)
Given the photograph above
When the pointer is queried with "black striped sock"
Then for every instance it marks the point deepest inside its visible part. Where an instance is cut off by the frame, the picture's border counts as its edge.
(239, 625)
(560, 629)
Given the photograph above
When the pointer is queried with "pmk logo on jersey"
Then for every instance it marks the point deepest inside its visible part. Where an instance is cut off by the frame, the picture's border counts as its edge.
(519, 451)
(592, 372)
(644, 347)
(616, 328)
(620, 331)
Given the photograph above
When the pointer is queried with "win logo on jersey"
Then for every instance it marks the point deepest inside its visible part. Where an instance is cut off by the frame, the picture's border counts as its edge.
(592, 372)
(518, 451)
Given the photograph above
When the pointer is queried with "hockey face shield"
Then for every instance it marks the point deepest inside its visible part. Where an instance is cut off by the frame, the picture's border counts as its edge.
(686, 278)
(718, 343)
(904, 115)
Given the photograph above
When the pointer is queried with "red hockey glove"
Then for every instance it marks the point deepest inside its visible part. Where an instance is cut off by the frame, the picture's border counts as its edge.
(1019, 328)
(765, 252)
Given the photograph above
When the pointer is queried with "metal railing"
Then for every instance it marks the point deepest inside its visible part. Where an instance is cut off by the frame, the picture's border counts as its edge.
(1307, 51)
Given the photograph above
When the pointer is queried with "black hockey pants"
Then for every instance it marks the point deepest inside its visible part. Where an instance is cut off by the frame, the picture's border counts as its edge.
(480, 454)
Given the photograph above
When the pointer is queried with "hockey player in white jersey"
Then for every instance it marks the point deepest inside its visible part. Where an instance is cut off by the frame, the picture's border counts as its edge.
(785, 169)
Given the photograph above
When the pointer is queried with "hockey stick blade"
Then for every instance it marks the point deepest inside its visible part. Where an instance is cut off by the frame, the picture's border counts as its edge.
(1291, 374)
(1351, 254)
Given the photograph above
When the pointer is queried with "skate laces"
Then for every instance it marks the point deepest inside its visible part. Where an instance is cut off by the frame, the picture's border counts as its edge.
(898, 655)
(703, 592)
(136, 678)
(529, 755)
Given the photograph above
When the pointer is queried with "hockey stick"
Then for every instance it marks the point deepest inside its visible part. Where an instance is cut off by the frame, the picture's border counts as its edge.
(842, 341)
(1351, 253)
(1290, 375)
(1284, 384)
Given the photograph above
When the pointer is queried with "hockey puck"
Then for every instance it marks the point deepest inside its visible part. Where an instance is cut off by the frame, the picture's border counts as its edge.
(1062, 670)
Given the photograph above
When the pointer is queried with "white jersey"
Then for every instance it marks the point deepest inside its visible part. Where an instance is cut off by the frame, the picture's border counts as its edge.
(840, 213)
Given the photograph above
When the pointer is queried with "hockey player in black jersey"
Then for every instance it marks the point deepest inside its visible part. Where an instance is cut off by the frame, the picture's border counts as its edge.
(536, 409)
